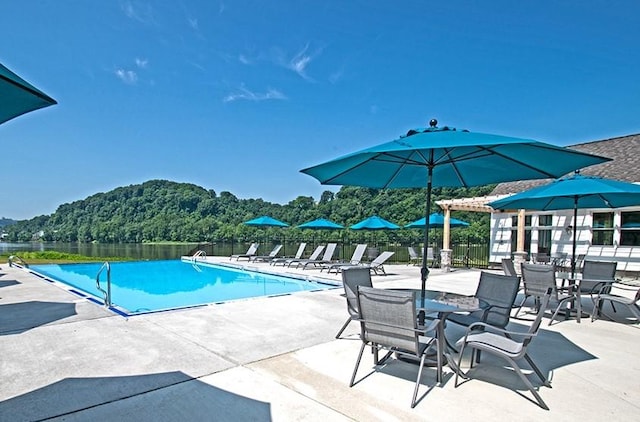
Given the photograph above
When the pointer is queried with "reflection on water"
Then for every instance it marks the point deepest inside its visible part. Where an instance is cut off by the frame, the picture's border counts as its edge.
(143, 251)
(136, 251)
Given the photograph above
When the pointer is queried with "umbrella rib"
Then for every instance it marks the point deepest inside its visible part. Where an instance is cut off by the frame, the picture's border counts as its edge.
(37, 93)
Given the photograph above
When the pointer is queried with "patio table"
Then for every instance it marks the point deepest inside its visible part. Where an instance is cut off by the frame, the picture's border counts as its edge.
(444, 304)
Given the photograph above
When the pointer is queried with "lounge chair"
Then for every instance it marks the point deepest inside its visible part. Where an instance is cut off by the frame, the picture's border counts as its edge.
(613, 293)
(283, 259)
(266, 258)
(326, 258)
(352, 277)
(508, 345)
(314, 255)
(377, 265)
(250, 252)
(356, 259)
(388, 321)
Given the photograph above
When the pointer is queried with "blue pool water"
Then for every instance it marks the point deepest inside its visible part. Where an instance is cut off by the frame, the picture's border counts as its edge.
(148, 286)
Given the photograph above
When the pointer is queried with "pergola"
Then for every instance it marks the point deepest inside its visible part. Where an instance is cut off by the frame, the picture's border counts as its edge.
(476, 204)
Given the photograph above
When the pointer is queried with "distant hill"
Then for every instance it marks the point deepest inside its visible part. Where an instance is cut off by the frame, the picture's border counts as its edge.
(162, 210)
(6, 222)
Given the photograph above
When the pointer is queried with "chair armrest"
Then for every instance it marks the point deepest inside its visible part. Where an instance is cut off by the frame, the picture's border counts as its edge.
(422, 329)
(491, 328)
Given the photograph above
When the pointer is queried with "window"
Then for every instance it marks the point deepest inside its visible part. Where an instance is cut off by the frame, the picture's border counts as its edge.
(630, 229)
(602, 229)
(544, 233)
(527, 233)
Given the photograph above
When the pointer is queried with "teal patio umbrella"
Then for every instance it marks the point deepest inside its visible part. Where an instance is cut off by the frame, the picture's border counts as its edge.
(320, 224)
(436, 220)
(573, 192)
(446, 157)
(18, 96)
(266, 221)
(375, 223)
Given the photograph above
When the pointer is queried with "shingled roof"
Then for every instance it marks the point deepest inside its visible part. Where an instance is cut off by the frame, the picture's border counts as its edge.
(624, 150)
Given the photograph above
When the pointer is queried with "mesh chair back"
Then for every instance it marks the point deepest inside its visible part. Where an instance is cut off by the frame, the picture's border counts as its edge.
(388, 318)
(328, 252)
(594, 273)
(499, 291)
(300, 250)
(508, 267)
(538, 278)
(352, 277)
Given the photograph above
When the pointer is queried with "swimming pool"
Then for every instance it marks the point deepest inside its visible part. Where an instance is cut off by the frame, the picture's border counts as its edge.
(150, 286)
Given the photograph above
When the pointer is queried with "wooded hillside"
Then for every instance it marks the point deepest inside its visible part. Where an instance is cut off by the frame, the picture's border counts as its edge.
(161, 210)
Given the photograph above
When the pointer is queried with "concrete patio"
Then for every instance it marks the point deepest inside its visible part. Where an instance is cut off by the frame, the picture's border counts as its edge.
(65, 358)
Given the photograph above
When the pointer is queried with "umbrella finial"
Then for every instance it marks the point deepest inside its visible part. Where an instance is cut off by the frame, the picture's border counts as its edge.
(433, 122)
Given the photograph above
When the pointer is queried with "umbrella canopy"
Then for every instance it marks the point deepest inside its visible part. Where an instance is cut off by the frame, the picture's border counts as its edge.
(374, 223)
(445, 156)
(18, 96)
(436, 220)
(320, 224)
(573, 192)
(266, 221)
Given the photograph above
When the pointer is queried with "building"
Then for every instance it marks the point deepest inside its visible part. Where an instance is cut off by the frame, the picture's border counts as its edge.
(605, 234)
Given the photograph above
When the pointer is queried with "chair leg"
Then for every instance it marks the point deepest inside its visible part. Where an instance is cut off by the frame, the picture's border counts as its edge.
(537, 370)
(415, 389)
(530, 386)
(344, 327)
(355, 370)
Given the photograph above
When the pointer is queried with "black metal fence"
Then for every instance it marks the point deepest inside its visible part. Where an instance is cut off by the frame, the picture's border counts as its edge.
(471, 253)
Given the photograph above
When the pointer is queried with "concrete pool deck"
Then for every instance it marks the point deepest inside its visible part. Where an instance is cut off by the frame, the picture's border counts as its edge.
(64, 358)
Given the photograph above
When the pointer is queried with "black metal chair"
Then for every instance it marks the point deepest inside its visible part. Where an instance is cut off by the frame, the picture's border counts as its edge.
(352, 277)
(508, 345)
(537, 279)
(388, 321)
(499, 292)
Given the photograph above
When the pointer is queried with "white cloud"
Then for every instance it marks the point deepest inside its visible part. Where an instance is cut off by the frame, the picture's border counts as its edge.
(244, 59)
(127, 76)
(142, 12)
(193, 23)
(142, 63)
(300, 62)
(244, 94)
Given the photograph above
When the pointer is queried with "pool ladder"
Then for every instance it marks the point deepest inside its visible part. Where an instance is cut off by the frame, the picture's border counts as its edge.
(107, 294)
(199, 254)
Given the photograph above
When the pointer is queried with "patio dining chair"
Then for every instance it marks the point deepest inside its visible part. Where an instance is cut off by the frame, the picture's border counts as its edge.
(508, 345)
(537, 280)
(352, 277)
(414, 257)
(597, 278)
(499, 292)
(388, 321)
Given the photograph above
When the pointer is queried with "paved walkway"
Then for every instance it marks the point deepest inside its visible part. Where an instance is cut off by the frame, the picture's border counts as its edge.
(63, 358)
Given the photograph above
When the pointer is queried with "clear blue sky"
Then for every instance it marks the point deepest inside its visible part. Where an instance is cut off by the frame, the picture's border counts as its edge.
(240, 95)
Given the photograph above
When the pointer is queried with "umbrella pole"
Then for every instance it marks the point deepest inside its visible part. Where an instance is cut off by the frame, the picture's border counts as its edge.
(575, 231)
(424, 271)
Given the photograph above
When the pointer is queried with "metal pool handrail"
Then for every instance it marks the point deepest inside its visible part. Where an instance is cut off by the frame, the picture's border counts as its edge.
(107, 293)
(19, 260)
